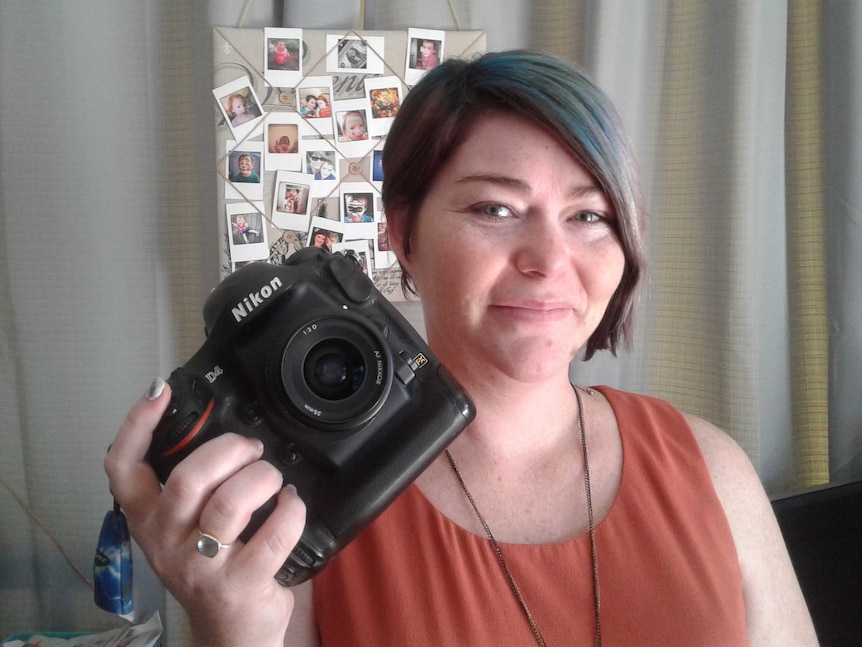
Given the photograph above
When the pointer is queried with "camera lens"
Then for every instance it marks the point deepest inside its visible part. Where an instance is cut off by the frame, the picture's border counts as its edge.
(336, 372)
(334, 369)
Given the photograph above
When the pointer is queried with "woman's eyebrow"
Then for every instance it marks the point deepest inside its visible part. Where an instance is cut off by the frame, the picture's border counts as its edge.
(586, 191)
(498, 180)
(578, 191)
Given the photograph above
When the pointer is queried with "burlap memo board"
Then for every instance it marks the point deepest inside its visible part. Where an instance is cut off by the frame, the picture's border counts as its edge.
(301, 120)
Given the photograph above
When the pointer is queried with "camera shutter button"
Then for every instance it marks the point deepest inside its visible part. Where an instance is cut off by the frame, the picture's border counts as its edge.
(355, 285)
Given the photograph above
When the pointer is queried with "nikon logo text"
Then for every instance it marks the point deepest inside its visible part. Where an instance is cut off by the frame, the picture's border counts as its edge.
(244, 308)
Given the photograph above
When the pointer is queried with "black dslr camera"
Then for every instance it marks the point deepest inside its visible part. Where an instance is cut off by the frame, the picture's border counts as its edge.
(348, 400)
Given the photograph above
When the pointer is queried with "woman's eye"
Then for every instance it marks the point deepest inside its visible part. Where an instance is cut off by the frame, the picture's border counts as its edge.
(589, 217)
(495, 211)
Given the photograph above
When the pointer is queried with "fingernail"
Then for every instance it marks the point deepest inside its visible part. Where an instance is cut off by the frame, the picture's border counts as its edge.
(156, 389)
(290, 487)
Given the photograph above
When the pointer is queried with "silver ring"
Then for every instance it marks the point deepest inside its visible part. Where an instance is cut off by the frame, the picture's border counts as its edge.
(209, 546)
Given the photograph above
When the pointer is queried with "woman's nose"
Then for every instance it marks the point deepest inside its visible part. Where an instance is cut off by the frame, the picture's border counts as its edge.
(543, 250)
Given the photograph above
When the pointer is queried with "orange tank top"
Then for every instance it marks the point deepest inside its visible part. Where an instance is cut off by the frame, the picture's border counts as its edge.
(668, 568)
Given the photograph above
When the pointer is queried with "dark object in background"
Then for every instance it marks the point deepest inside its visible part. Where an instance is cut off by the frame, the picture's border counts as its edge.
(823, 531)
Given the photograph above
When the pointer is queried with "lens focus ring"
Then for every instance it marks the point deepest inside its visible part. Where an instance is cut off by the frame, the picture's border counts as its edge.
(336, 371)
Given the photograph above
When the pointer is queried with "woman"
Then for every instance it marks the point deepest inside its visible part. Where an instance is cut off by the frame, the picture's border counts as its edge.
(561, 515)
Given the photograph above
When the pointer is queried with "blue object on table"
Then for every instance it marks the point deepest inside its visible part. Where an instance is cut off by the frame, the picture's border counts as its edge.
(112, 567)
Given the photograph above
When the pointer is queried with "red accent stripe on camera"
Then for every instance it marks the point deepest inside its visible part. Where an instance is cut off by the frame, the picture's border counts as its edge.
(193, 431)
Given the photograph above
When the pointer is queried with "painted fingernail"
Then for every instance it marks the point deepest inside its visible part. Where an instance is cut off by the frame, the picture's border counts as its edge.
(156, 389)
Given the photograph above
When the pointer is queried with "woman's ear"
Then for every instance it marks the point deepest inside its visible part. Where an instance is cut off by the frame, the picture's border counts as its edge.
(396, 229)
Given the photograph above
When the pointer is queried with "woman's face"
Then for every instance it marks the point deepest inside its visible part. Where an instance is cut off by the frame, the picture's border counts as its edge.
(319, 240)
(427, 49)
(315, 162)
(514, 254)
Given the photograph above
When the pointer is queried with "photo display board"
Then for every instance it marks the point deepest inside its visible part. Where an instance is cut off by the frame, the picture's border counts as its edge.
(301, 119)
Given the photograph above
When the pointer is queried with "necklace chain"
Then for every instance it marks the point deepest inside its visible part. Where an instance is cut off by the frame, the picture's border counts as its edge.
(500, 558)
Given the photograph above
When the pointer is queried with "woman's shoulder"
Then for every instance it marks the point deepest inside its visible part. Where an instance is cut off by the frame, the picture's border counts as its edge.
(776, 609)
(660, 423)
(728, 463)
(717, 446)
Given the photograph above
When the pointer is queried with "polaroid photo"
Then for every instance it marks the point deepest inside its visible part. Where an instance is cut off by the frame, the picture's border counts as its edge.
(424, 52)
(357, 207)
(282, 56)
(240, 107)
(290, 201)
(314, 102)
(352, 54)
(357, 202)
(321, 162)
(243, 170)
(282, 142)
(247, 228)
(360, 248)
(384, 257)
(323, 232)
(377, 169)
(327, 207)
(350, 121)
(384, 98)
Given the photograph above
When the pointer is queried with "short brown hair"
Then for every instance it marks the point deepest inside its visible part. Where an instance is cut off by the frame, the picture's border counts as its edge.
(439, 111)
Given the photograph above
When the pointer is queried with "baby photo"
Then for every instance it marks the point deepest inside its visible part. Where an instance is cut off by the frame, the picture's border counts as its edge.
(352, 125)
(240, 106)
(283, 142)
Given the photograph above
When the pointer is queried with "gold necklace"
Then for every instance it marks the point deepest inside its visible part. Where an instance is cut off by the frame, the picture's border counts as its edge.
(594, 554)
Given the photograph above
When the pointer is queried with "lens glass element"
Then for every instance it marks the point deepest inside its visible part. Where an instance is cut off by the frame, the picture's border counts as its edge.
(334, 369)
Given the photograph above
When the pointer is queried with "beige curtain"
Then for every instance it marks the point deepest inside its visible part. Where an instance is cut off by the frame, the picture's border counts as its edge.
(720, 284)
(108, 233)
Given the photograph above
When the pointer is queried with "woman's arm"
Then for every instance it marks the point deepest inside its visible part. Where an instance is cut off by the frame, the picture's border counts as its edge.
(776, 612)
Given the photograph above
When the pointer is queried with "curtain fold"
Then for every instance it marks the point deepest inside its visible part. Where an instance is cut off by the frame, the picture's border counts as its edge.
(745, 119)
(806, 246)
